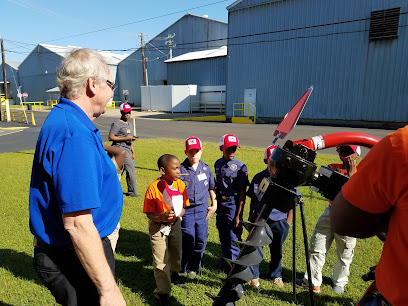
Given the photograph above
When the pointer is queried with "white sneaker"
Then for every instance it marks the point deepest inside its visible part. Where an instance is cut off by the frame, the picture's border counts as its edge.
(191, 274)
(254, 283)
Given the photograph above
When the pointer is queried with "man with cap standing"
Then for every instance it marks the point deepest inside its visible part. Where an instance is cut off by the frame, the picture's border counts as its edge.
(278, 221)
(324, 234)
(121, 134)
(200, 184)
(231, 182)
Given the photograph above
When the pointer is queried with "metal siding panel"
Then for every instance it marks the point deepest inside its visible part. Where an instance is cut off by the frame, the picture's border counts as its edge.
(340, 66)
(130, 77)
(187, 29)
(205, 72)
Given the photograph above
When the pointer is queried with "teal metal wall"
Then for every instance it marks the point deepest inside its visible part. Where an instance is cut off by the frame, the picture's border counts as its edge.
(354, 79)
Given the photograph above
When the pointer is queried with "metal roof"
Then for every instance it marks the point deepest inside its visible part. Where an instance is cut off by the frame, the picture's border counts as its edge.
(190, 56)
(239, 4)
(13, 65)
(110, 58)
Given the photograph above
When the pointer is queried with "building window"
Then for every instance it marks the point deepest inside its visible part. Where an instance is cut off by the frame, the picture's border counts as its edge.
(384, 24)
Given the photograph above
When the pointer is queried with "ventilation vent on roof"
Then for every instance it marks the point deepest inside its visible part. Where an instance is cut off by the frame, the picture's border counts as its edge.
(384, 24)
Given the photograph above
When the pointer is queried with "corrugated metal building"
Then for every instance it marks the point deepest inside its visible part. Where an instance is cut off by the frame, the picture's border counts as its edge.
(12, 80)
(192, 33)
(38, 71)
(204, 68)
(281, 47)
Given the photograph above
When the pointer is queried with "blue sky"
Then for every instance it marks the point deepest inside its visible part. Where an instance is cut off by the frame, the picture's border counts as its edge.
(25, 23)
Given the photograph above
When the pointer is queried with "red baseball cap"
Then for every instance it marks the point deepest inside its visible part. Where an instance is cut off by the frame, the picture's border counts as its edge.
(193, 143)
(268, 152)
(229, 140)
(356, 149)
(125, 108)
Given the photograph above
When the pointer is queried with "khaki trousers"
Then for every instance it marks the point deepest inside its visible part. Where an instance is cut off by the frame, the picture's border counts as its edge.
(166, 254)
(320, 243)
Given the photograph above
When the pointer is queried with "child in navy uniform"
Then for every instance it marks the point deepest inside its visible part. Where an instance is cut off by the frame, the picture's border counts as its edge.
(231, 182)
(200, 183)
(278, 221)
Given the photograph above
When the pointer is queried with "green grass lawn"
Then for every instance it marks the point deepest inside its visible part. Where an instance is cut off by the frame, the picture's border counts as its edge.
(19, 284)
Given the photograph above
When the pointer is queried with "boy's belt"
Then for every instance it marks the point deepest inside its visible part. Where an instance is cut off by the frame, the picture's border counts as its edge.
(226, 198)
(167, 223)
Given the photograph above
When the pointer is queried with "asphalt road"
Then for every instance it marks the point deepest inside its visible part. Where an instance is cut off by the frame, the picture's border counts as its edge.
(18, 136)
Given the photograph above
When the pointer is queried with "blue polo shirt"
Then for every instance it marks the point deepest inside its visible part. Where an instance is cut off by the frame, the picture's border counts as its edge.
(71, 172)
(230, 176)
(198, 182)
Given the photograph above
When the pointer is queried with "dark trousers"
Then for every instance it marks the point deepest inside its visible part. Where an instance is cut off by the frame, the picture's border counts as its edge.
(194, 228)
(129, 166)
(280, 231)
(63, 274)
(227, 233)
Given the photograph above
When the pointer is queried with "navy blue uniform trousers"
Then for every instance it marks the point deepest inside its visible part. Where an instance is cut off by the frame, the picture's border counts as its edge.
(194, 229)
(228, 233)
(280, 231)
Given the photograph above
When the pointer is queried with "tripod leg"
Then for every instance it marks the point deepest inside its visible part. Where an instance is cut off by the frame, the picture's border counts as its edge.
(302, 214)
(294, 254)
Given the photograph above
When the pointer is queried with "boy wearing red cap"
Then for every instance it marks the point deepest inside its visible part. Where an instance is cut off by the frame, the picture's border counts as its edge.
(324, 234)
(164, 204)
(121, 134)
(231, 182)
(278, 221)
(200, 184)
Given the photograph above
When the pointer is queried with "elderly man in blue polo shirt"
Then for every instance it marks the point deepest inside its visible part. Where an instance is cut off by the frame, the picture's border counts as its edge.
(200, 184)
(71, 210)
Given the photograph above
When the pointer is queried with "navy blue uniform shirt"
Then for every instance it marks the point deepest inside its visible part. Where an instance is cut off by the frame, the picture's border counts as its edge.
(275, 215)
(231, 176)
(198, 182)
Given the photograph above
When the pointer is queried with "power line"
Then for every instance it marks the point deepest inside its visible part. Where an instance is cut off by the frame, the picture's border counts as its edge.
(138, 21)
(265, 33)
(148, 49)
(249, 35)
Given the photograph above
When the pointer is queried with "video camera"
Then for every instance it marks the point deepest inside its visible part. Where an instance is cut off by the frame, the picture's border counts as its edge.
(293, 166)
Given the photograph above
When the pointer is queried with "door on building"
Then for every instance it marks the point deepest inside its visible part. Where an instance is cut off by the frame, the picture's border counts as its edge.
(249, 97)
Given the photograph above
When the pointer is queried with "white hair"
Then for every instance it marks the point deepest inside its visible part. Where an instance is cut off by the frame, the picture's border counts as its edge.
(77, 68)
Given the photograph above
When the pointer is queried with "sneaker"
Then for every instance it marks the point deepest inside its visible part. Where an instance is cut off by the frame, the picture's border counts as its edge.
(305, 284)
(162, 299)
(338, 289)
(191, 274)
(176, 279)
(254, 283)
(279, 282)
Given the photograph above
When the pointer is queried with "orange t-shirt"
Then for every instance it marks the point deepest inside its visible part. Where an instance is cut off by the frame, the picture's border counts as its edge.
(381, 184)
(153, 201)
(339, 169)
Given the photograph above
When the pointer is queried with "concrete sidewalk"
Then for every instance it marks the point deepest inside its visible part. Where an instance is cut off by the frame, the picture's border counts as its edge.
(213, 116)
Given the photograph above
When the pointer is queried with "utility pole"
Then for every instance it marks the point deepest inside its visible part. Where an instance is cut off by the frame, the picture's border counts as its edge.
(4, 78)
(169, 42)
(143, 59)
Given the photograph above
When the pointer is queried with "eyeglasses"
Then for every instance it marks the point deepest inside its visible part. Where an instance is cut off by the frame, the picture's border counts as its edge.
(112, 85)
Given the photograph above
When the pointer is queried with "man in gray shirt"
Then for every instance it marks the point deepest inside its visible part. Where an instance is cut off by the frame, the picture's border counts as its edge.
(121, 134)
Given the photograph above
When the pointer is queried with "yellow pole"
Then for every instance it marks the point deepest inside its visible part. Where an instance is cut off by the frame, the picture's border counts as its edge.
(32, 119)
